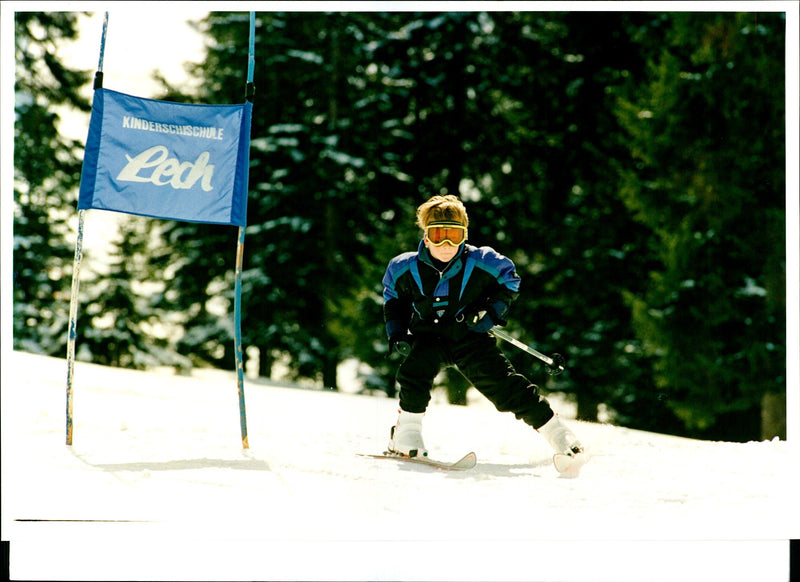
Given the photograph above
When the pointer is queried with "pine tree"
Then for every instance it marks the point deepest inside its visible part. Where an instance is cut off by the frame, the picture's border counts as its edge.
(318, 190)
(121, 324)
(46, 174)
(706, 176)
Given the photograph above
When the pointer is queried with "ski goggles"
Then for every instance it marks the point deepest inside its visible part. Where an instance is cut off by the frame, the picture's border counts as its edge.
(452, 233)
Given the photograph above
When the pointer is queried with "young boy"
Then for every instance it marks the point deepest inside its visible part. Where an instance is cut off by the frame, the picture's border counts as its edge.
(439, 305)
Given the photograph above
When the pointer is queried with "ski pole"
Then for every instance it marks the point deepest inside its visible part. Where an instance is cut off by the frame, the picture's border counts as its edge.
(555, 363)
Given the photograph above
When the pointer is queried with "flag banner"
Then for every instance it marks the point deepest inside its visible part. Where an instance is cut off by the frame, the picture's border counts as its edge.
(169, 160)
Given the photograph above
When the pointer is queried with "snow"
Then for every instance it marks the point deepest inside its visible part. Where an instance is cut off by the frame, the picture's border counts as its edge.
(157, 486)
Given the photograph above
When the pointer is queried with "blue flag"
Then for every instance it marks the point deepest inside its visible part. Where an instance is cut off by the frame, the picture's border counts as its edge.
(167, 160)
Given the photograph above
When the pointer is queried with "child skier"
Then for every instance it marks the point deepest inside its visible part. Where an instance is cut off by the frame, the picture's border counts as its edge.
(439, 305)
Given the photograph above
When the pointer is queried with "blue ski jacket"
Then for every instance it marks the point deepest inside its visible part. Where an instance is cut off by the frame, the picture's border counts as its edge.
(421, 299)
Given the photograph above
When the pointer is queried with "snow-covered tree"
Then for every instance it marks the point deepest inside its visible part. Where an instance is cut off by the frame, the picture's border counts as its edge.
(46, 174)
(122, 324)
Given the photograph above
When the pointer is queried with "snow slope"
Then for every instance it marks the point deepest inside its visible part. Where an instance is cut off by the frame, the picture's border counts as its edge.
(158, 486)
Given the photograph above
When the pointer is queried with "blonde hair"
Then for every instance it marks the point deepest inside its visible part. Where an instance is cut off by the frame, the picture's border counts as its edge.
(442, 208)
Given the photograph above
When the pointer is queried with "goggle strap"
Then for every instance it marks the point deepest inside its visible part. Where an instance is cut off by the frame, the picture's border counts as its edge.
(445, 224)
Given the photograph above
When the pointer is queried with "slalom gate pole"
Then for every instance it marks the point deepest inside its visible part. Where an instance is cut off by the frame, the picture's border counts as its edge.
(73, 322)
(237, 309)
(76, 269)
(237, 316)
(555, 364)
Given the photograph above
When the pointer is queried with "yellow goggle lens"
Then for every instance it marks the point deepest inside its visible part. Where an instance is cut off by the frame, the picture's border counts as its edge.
(450, 233)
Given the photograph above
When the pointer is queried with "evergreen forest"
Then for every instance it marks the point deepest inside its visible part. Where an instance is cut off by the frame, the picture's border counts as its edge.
(631, 164)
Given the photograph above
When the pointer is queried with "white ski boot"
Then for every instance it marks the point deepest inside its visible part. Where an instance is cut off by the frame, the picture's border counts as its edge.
(561, 438)
(406, 435)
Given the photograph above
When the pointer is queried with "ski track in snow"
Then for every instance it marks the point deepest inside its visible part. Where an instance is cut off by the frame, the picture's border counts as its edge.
(159, 457)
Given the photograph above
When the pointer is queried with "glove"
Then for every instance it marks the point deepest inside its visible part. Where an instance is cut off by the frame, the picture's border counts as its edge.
(398, 338)
(400, 345)
(483, 321)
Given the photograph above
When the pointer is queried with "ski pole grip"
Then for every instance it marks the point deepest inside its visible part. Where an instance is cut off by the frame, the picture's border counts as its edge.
(558, 365)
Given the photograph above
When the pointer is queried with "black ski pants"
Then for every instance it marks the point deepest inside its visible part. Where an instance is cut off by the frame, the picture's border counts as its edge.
(482, 362)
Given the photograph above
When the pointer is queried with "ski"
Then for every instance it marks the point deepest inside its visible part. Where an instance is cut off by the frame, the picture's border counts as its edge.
(570, 466)
(468, 461)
